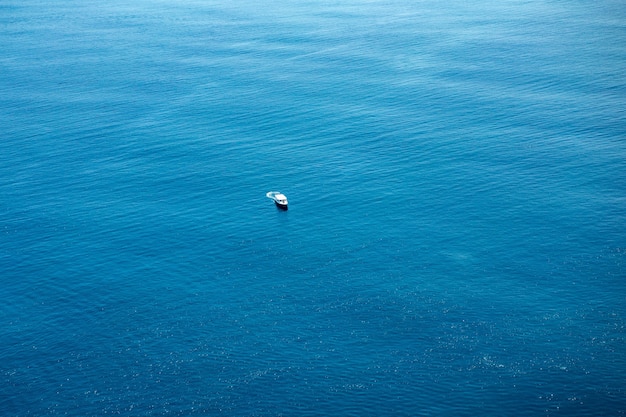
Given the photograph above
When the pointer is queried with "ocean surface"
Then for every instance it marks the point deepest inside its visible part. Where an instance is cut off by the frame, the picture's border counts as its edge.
(455, 243)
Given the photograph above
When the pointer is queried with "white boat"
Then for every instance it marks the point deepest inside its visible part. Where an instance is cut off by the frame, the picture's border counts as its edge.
(279, 199)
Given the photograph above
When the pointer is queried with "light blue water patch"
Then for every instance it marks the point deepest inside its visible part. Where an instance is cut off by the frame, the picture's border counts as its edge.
(454, 243)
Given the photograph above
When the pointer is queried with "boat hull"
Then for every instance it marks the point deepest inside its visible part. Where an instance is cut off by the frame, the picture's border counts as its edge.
(281, 206)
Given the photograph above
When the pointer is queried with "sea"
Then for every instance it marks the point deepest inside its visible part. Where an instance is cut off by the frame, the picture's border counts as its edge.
(455, 243)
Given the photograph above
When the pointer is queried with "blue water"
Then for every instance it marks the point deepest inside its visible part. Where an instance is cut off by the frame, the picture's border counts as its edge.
(456, 238)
